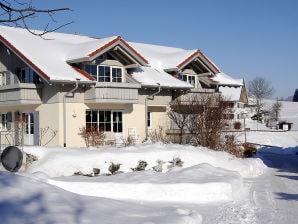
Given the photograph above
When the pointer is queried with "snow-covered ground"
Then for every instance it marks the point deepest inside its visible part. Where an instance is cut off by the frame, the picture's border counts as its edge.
(205, 187)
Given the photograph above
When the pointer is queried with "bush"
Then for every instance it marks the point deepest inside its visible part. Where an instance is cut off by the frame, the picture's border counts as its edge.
(237, 125)
(249, 150)
(158, 136)
(141, 166)
(175, 162)
(92, 136)
(158, 167)
(231, 146)
(113, 168)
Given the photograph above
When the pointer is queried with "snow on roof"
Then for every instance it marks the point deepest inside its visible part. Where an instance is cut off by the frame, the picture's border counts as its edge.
(83, 50)
(161, 57)
(149, 76)
(230, 93)
(48, 56)
(224, 79)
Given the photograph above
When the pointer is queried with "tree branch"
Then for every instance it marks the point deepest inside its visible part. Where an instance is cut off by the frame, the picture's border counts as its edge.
(19, 13)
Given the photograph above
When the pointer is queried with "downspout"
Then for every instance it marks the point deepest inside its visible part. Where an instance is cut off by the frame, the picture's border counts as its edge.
(64, 109)
(150, 97)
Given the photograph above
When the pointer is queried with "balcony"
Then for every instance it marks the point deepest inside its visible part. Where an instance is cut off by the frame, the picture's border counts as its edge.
(112, 92)
(20, 94)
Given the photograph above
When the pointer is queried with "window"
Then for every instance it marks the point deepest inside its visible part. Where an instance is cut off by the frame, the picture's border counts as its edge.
(116, 75)
(3, 79)
(3, 121)
(104, 73)
(91, 70)
(27, 75)
(188, 78)
(105, 120)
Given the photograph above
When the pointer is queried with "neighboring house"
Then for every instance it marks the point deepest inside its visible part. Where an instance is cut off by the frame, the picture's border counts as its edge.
(63, 82)
(234, 93)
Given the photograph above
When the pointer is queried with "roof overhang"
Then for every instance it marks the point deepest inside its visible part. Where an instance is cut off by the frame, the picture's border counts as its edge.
(117, 44)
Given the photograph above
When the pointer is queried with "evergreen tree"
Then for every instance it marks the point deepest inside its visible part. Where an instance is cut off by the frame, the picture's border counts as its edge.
(295, 97)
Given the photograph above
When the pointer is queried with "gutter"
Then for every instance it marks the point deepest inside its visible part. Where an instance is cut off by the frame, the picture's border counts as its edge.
(150, 97)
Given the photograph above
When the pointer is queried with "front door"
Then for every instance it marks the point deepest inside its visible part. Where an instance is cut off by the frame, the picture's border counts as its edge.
(28, 120)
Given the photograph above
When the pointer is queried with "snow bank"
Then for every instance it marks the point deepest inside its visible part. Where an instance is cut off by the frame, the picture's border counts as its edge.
(27, 200)
(57, 162)
(199, 184)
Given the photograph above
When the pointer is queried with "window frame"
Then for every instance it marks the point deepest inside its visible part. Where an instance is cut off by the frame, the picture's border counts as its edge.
(188, 78)
(4, 121)
(28, 75)
(3, 78)
(105, 120)
(105, 73)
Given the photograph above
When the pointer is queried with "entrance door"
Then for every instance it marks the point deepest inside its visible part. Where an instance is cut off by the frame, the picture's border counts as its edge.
(28, 128)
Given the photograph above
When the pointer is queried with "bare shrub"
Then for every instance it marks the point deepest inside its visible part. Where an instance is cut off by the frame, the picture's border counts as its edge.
(92, 136)
(249, 150)
(46, 131)
(208, 119)
(158, 136)
(237, 125)
(231, 146)
(179, 113)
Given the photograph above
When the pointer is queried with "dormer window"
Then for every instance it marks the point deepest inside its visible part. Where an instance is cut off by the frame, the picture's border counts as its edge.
(105, 73)
(191, 79)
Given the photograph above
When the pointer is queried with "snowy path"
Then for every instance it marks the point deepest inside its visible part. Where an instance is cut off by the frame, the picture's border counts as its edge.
(272, 197)
(276, 193)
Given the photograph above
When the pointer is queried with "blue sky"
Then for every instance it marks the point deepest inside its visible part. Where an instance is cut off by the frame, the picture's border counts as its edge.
(245, 38)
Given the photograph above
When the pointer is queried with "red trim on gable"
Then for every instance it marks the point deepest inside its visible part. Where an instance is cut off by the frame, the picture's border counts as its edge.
(187, 60)
(82, 72)
(133, 50)
(104, 47)
(113, 42)
(21, 55)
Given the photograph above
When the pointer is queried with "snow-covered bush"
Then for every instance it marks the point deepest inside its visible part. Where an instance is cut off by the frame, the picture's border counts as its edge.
(113, 168)
(141, 166)
(158, 167)
(175, 162)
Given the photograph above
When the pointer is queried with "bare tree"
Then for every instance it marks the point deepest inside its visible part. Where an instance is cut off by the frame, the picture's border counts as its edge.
(209, 119)
(275, 110)
(204, 115)
(18, 13)
(179, 113)
(259, 89)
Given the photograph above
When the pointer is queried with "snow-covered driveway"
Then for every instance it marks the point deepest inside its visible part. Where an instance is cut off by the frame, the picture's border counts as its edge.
(273, 197)
(276, 193)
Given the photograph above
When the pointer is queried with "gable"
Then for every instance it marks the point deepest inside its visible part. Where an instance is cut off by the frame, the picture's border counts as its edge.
(116, 46)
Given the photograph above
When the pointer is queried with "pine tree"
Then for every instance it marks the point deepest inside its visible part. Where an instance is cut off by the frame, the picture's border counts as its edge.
(295, 97)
